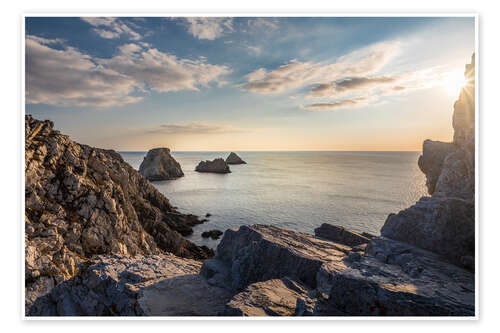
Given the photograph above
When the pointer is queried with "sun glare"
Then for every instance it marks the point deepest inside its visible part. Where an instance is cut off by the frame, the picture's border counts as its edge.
(453, 82)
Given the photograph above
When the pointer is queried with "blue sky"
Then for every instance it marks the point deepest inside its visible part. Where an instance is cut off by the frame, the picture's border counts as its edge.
(248, 83)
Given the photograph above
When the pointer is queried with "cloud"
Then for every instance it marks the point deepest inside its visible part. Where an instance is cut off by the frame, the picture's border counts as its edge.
(297, 74)
(193, 128)
(69, 77)
(268, 23)
(111, 27)
(342, 104)
(349, 84)
(209, 27)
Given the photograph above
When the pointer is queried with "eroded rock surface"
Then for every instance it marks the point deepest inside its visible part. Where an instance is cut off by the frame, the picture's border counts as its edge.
(218, 165)
(445, 222)
(158, 164)
(234, 159)
(340, 235)
(83, 201)
(155, 285)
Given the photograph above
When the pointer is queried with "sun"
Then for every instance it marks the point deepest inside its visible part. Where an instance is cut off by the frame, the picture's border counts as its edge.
(452, 82)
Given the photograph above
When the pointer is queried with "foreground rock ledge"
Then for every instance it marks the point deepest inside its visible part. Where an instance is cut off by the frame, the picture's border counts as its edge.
(158, 164)
(267, 271)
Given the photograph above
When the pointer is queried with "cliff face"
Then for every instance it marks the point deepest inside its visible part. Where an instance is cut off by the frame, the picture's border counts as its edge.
(83, 201)
(445, 222)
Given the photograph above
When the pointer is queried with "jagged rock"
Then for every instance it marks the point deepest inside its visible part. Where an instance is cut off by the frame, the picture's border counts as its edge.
(160, 165)
(397, 279)
(261, 263)
(82, 201)
(277, 297)
(340, 235)
(445, 222)
(234, 159)
(259, 253)
(218, 165)
(214, 234)
(156, 285)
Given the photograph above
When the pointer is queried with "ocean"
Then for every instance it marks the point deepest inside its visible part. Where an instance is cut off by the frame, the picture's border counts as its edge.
(294, 190)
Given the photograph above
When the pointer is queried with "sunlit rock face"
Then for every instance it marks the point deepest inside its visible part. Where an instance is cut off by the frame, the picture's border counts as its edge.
(160, 165)
(445, 222)
(82, 201)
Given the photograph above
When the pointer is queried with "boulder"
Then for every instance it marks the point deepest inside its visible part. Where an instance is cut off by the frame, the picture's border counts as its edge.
(218, 165)
(214, 234)
(340, 235)
(160, 165)
(82, 201)
(234, 159)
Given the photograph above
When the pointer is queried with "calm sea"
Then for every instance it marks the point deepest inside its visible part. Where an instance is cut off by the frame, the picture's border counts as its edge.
(294, 190)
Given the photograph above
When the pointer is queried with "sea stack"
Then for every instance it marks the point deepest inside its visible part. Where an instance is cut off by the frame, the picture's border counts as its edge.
(216, 166)
(234, 159)
(160, 165)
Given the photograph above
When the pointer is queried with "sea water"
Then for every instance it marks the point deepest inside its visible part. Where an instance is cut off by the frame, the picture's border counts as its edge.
(294, 190)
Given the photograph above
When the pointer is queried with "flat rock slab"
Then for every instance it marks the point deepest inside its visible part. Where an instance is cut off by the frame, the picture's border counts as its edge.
(158, 285)
(340, 235)
(277, 297)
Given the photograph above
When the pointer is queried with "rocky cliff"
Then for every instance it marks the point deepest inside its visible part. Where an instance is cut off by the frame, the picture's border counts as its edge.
(445, 222)
(82, 201)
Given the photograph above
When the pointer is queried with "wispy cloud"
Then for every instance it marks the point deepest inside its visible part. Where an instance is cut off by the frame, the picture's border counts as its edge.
(193, 128)
(208, 27)
(69, 77)
(111, 27)
(341, 104)
(267, 23)
(297, 74)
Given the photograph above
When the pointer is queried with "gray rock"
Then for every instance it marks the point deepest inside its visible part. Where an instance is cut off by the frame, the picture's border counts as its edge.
(340, 235)
(214, 234)
(218, 165)
(259, 253)
(234, 159)
(157, 285)
(160, 165)
(277, 297)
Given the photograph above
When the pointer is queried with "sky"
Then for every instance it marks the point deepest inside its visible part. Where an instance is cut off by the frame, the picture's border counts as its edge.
(247, 83)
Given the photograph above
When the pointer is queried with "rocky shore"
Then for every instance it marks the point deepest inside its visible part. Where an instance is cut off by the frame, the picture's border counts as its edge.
(101, 240)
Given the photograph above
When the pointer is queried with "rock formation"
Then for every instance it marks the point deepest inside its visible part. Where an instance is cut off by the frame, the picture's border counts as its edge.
(218, 165)
(234, 159)
(214, 234)
(445, 222)
(160, 165)
(82, 201)
(340, 235)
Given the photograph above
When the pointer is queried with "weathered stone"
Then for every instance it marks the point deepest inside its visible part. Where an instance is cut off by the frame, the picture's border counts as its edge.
(83, 201)
(216, 166)
(158, 164)
(234, 159)
(260, 253)
(340, 235)
(157, 285)
(277, 297)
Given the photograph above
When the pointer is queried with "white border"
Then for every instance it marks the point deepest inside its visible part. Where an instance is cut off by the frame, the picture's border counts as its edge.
(266, 13)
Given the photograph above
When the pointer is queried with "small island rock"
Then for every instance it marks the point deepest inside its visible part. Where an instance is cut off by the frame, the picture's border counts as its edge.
(234, 159)
(217, 166)
(214, 234)
(160, 165)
